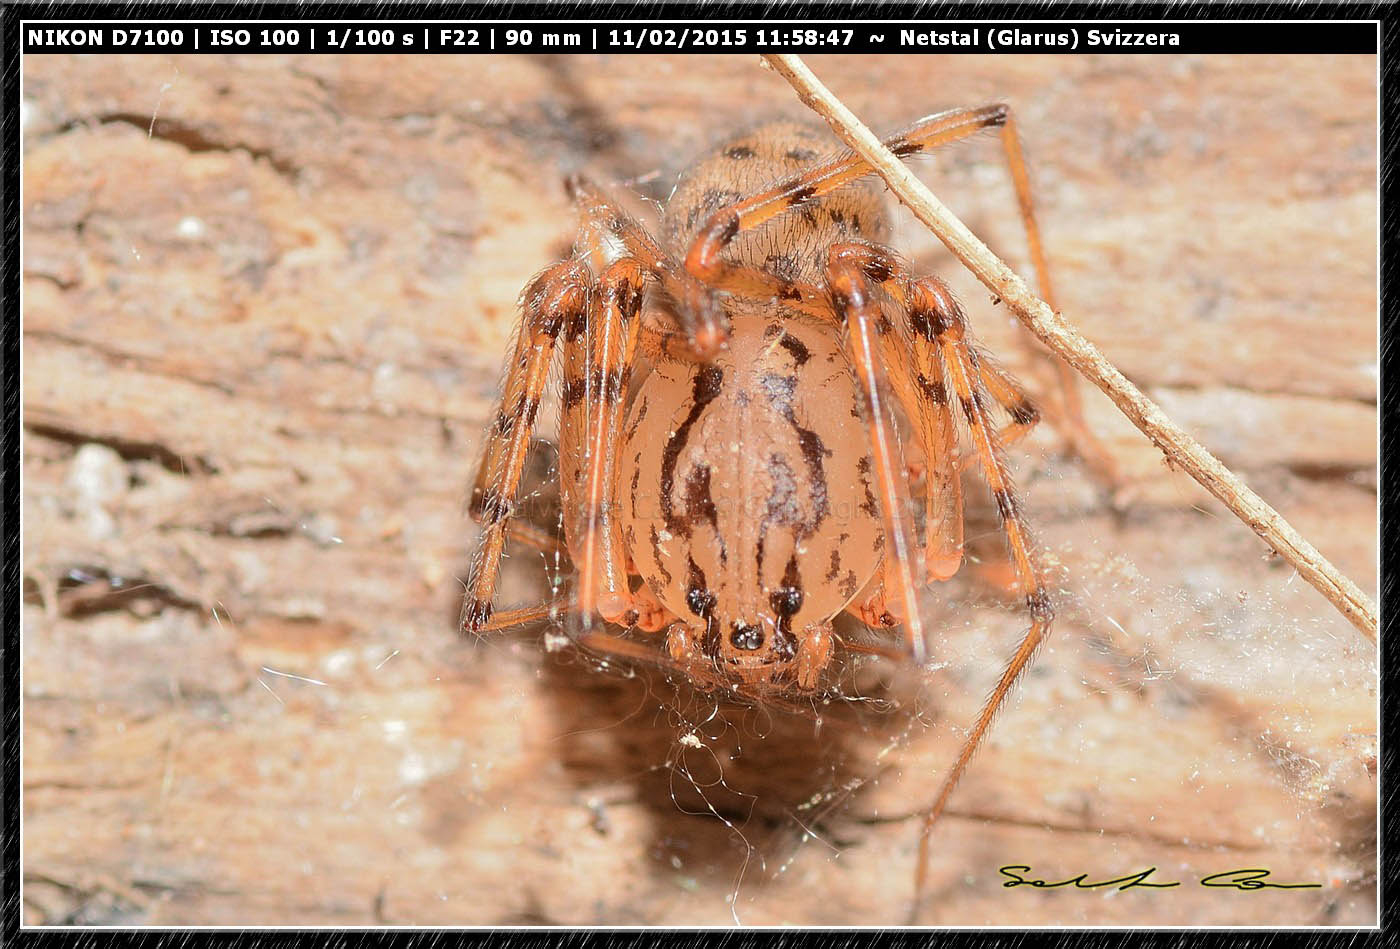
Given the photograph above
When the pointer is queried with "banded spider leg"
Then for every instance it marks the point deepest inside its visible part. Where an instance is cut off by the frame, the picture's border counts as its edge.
(705, 260)
(599, 321)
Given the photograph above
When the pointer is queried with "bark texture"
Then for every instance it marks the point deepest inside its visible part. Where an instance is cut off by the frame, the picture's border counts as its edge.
(266, 301)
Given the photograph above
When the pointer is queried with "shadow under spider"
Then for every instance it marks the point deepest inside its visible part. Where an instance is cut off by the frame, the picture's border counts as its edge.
(733, 789)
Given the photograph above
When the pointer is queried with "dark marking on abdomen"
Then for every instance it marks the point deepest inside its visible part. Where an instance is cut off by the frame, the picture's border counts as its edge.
(656, 552)
(708, 384)
(699, 502)
(780, 391)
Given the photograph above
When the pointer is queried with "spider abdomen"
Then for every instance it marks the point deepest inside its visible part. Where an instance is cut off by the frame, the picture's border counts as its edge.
(744, 484)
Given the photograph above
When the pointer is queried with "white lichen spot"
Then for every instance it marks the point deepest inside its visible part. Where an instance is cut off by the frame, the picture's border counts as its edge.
(383, 385)
(413, 769)
(339, 662)
(97, 477)
(190, 228)
(98, 474)
(394, 729)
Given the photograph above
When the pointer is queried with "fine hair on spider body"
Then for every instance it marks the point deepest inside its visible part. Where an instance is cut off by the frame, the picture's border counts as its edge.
(731, 470)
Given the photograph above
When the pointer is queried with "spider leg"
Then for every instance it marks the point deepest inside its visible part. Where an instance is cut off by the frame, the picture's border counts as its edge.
(948, 326)
(516, 530)
(925, 401)
(854, 305)
(498, 435)
(704, 257)
(553, 299)
(872, 649)
(607, 226)
(916, 371)
(614, 233)
(1009, 395)
(924, 396)
(527, 614)
(538, 538)
(1083, 440)
(599, 354)
(939, 328)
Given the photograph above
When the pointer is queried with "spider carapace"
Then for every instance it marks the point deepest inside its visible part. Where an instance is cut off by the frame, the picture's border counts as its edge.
(746, 495)
(731, 471)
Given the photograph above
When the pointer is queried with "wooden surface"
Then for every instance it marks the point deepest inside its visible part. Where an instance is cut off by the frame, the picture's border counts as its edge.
(265, 305)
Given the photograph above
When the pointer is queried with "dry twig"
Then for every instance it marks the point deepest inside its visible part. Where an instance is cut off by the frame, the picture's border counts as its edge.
(1050, 328)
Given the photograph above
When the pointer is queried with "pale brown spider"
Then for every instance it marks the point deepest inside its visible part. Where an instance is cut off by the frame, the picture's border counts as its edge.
(752, 478)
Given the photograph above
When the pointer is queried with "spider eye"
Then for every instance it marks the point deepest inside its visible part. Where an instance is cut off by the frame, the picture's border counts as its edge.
(746, 637)
(700, 602)
(785, 600)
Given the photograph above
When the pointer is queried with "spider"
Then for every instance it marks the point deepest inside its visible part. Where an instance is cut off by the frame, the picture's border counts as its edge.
(750, 484)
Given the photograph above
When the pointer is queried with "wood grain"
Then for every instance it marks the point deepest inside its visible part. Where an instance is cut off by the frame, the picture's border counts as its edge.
(265, 305)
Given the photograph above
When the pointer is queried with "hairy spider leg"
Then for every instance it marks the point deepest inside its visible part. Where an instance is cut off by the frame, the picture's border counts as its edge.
(604, 220)
(860, 312)
(599, 352)
(1007, 393)
(915, 298)
(498, 435)
(600, 324)
(610, 230)
(538, 538)
(505, 619)
(874, 649)
(1087, 444)
(704, 256)
(947, 326)
(552, 300)
(915, 371)
(594, 395)
(915, 365)
(701, 326)
(704, 259)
